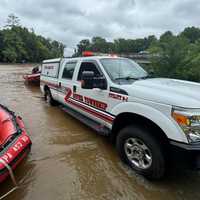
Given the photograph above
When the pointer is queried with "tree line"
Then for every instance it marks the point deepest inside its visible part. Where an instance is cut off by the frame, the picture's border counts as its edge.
(19, 44)
(121, 45)
(174, 56)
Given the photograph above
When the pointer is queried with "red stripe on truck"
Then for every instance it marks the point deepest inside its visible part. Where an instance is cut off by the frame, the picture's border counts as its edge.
(100, 115)
(50, 84)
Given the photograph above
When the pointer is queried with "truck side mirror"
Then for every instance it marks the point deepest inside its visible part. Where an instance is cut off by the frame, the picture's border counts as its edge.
(89, 81)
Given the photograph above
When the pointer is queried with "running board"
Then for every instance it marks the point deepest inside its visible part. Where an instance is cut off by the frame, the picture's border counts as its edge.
(100, 129)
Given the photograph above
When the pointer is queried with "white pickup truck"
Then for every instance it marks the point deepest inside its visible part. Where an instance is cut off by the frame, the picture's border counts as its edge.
(146, 117)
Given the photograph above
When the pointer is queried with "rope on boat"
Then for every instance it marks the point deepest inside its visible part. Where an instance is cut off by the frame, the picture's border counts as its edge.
(12, 178)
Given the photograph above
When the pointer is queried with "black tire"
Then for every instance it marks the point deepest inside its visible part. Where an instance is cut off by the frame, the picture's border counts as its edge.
(48, 98)
(156, 165)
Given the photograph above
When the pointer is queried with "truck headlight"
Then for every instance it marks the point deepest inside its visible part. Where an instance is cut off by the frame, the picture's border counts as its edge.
(189, 121)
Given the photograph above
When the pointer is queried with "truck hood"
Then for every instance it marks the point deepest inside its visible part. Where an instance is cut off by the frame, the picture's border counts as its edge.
(167, 91)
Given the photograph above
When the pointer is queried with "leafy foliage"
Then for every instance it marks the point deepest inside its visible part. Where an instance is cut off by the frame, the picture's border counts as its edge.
(18, 44)
(174, 56)
(12, 20)
(191, 33)
(98, 44)
(177, 56)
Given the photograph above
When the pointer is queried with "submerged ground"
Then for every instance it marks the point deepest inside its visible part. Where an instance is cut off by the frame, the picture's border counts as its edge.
(70, 161)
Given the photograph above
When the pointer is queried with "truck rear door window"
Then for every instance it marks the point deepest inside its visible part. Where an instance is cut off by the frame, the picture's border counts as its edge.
(68, 70)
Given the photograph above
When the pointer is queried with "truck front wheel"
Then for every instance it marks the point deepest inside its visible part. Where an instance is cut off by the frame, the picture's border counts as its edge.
(141, 151)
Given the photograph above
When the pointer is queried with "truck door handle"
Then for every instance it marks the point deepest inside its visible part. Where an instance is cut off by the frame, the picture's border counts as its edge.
(74, 88)
(59, 84)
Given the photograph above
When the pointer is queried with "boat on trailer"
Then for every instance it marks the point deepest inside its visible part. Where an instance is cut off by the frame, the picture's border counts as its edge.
(15, 144)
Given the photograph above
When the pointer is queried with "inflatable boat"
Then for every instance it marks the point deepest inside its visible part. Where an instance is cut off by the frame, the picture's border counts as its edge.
(32, 78)
(15, 144)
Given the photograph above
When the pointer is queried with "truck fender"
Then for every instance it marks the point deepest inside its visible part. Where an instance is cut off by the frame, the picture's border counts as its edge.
(168, 126)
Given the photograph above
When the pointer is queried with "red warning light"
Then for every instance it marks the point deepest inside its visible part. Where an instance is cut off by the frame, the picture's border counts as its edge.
(90, 53)
(87, 53)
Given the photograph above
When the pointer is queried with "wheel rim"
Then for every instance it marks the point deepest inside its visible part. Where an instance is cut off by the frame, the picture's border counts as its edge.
(138, 153)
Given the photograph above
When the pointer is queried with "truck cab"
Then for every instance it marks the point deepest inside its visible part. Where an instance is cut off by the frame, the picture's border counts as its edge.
(145, 117)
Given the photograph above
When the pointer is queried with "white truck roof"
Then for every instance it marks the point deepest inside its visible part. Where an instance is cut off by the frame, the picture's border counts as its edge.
(77, 58)
(52, 60)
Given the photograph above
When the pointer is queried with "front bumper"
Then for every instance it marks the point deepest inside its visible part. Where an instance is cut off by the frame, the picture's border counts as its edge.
(185, 155)
(187, 147)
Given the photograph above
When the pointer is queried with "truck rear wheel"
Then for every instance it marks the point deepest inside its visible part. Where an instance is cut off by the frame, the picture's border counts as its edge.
(141, 151)
(48, 98)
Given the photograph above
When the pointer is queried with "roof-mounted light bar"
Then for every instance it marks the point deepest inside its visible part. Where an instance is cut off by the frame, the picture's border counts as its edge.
(90, 53)
(87, 53)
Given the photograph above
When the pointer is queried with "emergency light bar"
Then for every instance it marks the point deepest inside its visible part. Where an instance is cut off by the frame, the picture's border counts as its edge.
(90, 53)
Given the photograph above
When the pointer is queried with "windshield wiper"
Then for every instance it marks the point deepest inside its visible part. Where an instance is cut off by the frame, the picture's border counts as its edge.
(126, 78)
(144, 77)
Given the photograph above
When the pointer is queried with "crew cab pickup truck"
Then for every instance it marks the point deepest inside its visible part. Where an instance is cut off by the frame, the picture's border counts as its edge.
(145, 117)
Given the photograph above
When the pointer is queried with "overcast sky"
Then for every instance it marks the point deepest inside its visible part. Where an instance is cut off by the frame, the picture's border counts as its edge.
(69, 21)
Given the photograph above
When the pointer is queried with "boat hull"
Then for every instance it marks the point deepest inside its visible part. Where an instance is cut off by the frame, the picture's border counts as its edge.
(32, 78)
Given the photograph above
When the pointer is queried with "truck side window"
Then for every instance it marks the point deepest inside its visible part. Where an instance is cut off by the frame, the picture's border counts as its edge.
(68, 70)
(88, 66)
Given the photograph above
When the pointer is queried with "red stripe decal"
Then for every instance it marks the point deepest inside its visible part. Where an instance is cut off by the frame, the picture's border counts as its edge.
(106, 118)
(50, 84)
(93, 112)
(69, 93)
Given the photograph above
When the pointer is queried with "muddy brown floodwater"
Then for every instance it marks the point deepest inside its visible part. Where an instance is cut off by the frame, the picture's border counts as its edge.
(70, 161)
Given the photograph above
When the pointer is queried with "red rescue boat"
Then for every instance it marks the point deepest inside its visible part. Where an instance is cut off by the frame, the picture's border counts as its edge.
(15, 144)
(34, 77)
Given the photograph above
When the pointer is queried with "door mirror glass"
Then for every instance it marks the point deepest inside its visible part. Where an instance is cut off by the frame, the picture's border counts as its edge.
(100, 82)
(89, 81)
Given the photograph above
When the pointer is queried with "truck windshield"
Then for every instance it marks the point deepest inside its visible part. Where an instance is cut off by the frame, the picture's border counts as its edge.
(123, 69)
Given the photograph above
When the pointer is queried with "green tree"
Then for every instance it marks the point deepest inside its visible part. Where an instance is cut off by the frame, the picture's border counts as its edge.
(170, 57)
(12, 21)
(9, 55)
(177, 56)
(168, 35)
(191, 33)
(120, 45)
(82, 46)
(99, 44)
(24, 45)
(150, 41)
(191, 69)
(1, 45)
